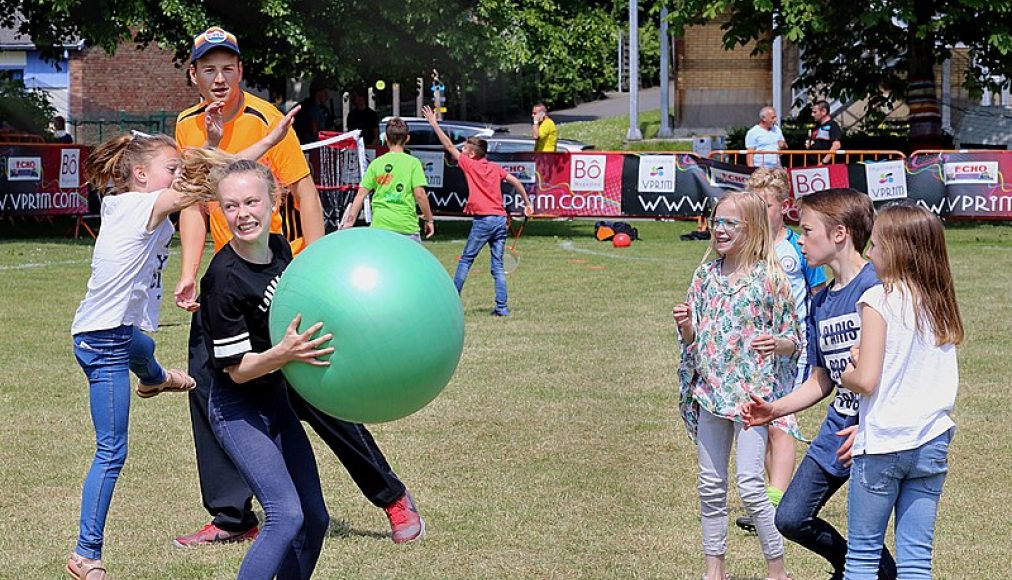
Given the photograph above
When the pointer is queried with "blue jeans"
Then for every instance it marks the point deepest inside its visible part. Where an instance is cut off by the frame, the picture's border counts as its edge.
(491, 230)
(261, 433)
(107, 357)
(909, 482)
(798, 518)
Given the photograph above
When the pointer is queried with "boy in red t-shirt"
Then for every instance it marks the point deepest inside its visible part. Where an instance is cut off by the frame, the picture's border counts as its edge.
(484, 202)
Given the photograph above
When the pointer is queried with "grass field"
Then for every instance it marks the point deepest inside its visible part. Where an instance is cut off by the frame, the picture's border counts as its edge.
(609, 134)
(555, 452)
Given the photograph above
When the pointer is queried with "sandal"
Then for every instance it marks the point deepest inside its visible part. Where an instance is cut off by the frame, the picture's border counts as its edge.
(82, 569)
(176, 381)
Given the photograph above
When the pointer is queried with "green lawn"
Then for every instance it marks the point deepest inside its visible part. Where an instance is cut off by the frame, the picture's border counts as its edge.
(609, 134)
(555, 452)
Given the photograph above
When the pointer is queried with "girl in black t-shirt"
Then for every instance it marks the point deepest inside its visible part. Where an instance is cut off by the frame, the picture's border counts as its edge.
(248, 404)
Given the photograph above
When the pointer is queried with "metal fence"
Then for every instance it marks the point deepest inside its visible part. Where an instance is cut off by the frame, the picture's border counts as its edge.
(94, 129)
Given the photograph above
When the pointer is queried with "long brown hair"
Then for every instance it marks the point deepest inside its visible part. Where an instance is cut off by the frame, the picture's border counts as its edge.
(114, 160)
(911, 240)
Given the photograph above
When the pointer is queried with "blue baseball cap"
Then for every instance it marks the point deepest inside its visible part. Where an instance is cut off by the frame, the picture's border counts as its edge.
(212, 38)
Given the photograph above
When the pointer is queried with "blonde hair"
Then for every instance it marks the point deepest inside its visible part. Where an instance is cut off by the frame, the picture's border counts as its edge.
(769, 180)
(114, 160)
(204, 168)
(911, 240)
(759, 244)
(239, 166)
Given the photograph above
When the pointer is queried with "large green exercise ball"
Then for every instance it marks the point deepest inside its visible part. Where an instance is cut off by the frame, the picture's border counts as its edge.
(396, 317)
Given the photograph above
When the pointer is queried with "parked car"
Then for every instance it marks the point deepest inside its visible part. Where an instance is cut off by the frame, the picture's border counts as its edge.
(423, 137)
(508, 143)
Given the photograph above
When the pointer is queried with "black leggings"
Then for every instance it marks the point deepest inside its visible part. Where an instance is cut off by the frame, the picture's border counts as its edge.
(224, 492)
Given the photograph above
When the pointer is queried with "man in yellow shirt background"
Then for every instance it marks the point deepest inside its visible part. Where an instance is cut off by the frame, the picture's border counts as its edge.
(545, 134)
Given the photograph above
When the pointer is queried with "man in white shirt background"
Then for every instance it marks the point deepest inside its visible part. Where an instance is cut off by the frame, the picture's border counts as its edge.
(765, 136)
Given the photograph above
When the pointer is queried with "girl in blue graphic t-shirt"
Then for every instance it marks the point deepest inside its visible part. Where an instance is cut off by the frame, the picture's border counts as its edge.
(836, 225)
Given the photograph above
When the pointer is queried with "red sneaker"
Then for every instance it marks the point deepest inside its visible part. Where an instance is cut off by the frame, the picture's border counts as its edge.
(405, 523)
(212, 534)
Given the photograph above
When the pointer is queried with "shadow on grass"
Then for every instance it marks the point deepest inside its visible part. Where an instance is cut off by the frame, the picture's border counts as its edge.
(536, 227)
(342, 529)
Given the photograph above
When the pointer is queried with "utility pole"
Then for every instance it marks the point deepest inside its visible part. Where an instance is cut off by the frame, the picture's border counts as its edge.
(665, 131)
(419, 96)
(634, 133)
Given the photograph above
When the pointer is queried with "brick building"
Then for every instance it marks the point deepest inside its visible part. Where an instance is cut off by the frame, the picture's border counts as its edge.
(100, 94)
(133, 89)
(717, 88)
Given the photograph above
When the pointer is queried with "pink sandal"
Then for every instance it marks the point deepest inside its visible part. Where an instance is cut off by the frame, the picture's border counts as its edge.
(176, 381)
(81, 569)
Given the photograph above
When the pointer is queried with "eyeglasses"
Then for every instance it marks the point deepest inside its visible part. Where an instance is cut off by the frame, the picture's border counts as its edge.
(725, 224)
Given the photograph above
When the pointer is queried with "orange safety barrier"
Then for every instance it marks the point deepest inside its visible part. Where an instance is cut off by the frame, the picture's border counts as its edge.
(803, 157)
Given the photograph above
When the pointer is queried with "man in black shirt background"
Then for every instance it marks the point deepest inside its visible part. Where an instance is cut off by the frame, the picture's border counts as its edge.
(363, 118)
(826, 133)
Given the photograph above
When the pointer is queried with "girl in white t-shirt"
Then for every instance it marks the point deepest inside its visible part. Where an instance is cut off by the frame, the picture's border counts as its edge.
(123, 298)
(907, 376)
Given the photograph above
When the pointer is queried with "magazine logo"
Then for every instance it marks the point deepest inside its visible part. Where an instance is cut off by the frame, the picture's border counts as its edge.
(886, 180)
(805, 181)
(24, 168)
(586, 172)
(656, 174)
(70, 168)
(525, 171)
(432, 164)
(728, 179)
(971, 172)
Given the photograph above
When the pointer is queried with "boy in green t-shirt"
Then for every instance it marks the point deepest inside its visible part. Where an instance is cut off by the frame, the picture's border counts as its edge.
(397, 182)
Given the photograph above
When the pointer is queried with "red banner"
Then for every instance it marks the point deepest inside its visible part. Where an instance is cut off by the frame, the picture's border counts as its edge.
(578, 184)
(43, 180)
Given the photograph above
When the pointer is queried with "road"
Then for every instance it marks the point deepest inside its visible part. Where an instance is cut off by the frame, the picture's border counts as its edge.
(613, 105)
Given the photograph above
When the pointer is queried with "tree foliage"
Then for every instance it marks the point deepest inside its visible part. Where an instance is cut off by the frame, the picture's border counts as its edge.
(23, 109)
(869, 48)
(559, 50)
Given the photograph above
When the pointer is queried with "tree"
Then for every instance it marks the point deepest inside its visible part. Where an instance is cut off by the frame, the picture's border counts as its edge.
(880, 50)
(25, 110)
(566, 44)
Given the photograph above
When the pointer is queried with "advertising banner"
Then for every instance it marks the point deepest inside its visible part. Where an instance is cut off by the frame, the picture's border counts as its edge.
(43, 180)
(966, 185)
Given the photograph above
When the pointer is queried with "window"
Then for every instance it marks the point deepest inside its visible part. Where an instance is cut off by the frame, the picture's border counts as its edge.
(514, 146)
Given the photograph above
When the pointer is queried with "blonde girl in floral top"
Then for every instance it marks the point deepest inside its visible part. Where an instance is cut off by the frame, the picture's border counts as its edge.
(739, 336)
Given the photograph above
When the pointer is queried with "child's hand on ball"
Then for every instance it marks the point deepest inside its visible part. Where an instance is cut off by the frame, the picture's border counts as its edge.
(302, 346)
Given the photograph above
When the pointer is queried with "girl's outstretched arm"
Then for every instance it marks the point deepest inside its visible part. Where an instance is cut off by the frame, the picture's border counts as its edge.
(169, 202)
(760, 412)
(272, 138)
